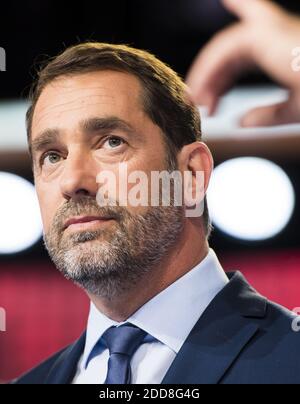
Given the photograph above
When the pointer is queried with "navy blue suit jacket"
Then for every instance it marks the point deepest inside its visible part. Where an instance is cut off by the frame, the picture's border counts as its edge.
(241, 338)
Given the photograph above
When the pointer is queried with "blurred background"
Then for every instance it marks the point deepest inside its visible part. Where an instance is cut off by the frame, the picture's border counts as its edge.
(258, 236)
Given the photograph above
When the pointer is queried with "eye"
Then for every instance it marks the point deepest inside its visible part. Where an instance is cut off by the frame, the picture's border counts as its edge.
(113, 142)
(51, 158)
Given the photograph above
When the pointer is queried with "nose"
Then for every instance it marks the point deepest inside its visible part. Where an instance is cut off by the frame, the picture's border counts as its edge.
(79, 177)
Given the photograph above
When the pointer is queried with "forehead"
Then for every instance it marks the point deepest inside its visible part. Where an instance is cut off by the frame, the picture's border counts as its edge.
(68, 100)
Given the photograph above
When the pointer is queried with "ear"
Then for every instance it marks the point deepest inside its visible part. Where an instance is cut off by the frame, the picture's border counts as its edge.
(196, 159)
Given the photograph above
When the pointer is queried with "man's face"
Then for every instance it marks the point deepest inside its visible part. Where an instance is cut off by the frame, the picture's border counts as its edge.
(83, 125)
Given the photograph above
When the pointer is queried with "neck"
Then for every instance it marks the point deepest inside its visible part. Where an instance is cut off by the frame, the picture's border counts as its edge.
(190, 250)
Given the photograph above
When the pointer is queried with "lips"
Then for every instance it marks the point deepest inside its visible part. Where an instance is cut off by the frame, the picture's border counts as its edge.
(84, 219)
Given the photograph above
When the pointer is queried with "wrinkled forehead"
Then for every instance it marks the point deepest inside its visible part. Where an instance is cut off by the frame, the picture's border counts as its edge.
(68, 99)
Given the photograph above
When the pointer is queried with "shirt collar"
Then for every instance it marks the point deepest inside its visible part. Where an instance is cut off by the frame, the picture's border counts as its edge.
(169, 316)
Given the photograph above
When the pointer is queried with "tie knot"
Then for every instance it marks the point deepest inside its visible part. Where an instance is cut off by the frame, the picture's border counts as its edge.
(123, 340)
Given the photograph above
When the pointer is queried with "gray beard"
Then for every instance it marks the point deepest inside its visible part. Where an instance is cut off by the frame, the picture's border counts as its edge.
(111, 262)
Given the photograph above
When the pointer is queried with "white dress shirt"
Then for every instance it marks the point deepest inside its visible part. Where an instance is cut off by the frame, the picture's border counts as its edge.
(169, 317)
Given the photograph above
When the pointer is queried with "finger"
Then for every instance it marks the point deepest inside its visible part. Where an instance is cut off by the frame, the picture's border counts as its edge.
(251, 10)
(277, 114)
(217, 66)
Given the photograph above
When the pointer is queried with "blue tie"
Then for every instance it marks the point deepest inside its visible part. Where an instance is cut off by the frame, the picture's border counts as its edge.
(122, 343)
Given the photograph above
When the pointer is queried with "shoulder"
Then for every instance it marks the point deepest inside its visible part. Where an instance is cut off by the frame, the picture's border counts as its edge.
(272, 354)
(273, 319)
(282, 325)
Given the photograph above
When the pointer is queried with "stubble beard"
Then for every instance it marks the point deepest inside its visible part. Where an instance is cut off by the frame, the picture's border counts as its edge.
(112, 261)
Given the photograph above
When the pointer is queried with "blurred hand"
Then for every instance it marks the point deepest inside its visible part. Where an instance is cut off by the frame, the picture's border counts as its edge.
(265, 37)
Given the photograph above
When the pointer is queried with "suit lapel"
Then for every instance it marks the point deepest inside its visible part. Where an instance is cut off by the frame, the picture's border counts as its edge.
(219, 336)
(64, 369)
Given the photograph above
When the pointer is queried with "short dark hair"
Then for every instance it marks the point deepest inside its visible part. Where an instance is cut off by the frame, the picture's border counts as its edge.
(164, 93)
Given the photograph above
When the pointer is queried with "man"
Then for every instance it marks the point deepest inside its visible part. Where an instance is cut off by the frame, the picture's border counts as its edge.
(162, 308)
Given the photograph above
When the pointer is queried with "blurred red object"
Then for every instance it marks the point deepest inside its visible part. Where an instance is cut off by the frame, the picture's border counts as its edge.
(45, 312)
